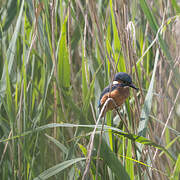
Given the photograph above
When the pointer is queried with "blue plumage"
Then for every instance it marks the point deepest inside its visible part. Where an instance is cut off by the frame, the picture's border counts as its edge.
(122, 76)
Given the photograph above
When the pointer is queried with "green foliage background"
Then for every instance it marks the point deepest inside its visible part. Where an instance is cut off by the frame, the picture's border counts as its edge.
(55, 59)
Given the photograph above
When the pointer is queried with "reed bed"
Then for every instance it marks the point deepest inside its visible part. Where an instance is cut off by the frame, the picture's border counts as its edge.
(55, 59)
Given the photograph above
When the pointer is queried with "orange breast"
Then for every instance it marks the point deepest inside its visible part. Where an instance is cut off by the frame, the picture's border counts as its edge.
(119, 95)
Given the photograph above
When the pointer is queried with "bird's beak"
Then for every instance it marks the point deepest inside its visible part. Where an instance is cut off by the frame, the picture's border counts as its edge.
(133, 86)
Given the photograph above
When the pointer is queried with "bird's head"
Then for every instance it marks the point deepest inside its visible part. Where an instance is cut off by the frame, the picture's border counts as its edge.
(124, 79)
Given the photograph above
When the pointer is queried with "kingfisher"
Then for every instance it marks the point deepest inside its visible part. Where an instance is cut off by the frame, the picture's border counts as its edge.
(118, 91)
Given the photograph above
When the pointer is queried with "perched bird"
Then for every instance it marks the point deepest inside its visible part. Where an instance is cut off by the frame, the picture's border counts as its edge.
(118, 91)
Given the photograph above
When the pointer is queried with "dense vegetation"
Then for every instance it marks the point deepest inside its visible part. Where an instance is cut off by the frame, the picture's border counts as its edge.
(56, 57)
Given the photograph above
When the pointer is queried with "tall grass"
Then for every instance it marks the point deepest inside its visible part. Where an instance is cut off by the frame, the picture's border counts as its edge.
(55, 59)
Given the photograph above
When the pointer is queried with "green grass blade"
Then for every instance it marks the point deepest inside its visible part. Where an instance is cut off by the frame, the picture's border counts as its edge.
(139, 139)
(175, 5)
(89, 96)
(110, 135)
(111, 160)
(117, 46)
(58, 168)
(11, 14)
(85, 78)
(9, 100)
(144, 117)
(176, 173)
(149, 15)
(63, 63)
(12, 47)
(143, 141)
(58, 144)
(129, 162)
(154, 26)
